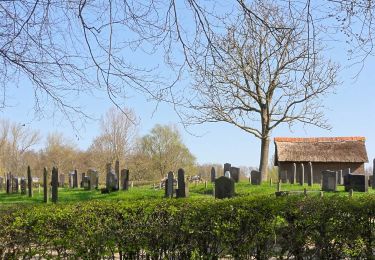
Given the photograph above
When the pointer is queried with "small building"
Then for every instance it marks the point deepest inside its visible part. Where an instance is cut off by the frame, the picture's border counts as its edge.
(324, 153)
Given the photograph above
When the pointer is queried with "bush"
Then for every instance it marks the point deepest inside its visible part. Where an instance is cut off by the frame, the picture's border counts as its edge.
(261, 228)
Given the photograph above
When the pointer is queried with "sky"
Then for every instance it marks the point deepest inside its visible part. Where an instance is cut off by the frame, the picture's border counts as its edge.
(350, 112)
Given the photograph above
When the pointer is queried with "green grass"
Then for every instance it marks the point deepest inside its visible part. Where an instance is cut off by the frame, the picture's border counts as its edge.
(197, 191)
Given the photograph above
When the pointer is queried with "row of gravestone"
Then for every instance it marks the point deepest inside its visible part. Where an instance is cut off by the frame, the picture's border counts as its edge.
(116, 179)
(182, 190)
(229, 171)
(355, 182)
(13, 183)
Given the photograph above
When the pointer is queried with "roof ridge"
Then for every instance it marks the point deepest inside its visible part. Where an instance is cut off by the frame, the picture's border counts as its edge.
(319, 139)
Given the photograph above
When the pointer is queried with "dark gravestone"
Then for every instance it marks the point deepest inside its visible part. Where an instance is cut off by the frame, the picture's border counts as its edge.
(183, 189)
(1, 183)
(75, 179)
(170, 185)
(62, 180)
(15, 184)
(124, 179)
(8, 183)
(213, 174)
(29, 181)
(256, 177)
(86, 183)
(94, 178)
(329, 181)
(235, 173)
(55, 184)
(117, 172)
(45, 185)
(294, 174)
(310, 174)
(356, 182)
(71, 177)
(82, 179)
(224, 188)
(23, 186)
(302, 174)
(227, 167)
(283, 176)
(111, 181)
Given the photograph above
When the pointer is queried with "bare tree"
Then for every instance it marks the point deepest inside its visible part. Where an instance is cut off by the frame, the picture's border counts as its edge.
(259, 78)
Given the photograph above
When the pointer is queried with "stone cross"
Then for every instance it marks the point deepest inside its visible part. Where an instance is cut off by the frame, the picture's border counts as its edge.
(183, 189)
(294, 174)
(213, 174)
(124, 179)
(117, 172)
(23, 186)
(310, 176)
(45, 185)
(329, 180)
(55, 184)
(227, 167)
(224, 187)
(29, 181)
(302, 174)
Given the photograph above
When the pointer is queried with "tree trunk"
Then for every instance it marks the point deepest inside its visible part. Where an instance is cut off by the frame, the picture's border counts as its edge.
(264, 152)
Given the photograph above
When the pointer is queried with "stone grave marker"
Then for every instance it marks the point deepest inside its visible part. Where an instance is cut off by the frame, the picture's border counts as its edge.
(213, 174)
(227, 167)
(9, 183)
(183, 188)
(75, 179)
(82, 179)
(227, 174)
(356, 182)
(15, 185)
(124, 179)
(169, 184)
(329, 180)
(71, 177)
(1, 183)
(86, 183)
(224, 188)
(235, 173)
(310, 174)
(45, 185)
(55, 184)
(111, 180)
(29, 182)
(23, 186)
(294, 174)
(62, 180)
(302, 174)
(117, 172)
(256, 177)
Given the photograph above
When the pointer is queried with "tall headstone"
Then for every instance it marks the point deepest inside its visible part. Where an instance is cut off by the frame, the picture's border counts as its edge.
(224, 188)
(294, 174)
(75, 179)
(256, 177)
(9, 183)
(302, 174)
(213, 174)
(310, 175)
(62, 180)
(82, 179)
(124, 179)
(55, 184)
(86, 183)
(71, 179)
(29, 182)
(117, 172)
(356, 182)
(329, 180)
(235, 173)
(183, 189)
(108, 169)
(227, 167)
(23, 186)
(15, 184)
(373, 174)
(170, 185)
(45, 185)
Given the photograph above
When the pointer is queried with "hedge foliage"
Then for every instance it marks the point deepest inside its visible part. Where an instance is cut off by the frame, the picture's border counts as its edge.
(242, 228)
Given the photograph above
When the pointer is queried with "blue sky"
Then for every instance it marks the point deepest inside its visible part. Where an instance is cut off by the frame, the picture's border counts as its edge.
(350, 112)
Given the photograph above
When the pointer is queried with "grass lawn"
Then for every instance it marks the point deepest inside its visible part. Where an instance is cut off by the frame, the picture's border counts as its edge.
(197, 191)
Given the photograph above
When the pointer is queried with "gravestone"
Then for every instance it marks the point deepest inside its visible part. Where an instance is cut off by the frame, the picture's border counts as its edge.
(62, 180)
(356, 182)
(55, 184)
(117, 172)
(169, 185)
(183, 189)
(310, 174)
(82, 179)
(224, 188)
(235, 173)
(86, 183)
(45, 185)
(283, 175)
(23, 186)
(9, 183)
(256, 177)
(227, 167)
(329, 180)
(1, 183)
(111, 179)
(124, 179)
(75, 179)
(294, 174)
(227, 174)
(15, 185)
(29, 181)
(213, 174)
(302, 174)
(71, 177)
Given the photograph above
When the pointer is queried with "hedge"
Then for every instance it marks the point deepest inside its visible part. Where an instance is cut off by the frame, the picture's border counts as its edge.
(240, 228)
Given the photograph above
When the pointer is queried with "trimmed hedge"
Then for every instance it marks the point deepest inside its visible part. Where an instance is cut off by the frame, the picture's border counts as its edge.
(243, 228)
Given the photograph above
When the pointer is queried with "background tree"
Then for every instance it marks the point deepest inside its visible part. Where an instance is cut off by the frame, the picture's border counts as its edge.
(164, 150)
(259, 79)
